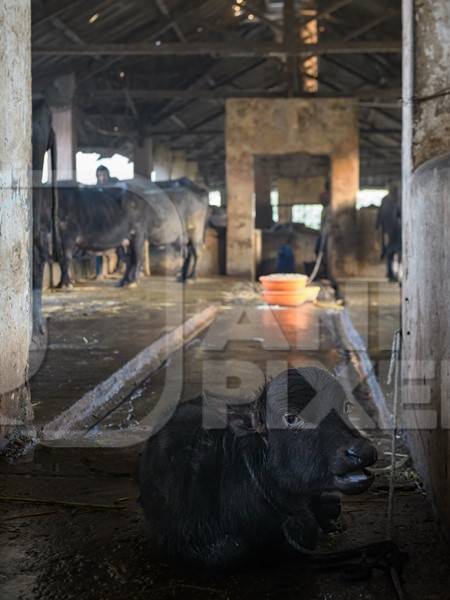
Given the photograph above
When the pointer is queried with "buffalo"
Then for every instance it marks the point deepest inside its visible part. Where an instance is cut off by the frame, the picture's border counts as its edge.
(179, 211)
(94, 219)
(265, 484)
(45, 207)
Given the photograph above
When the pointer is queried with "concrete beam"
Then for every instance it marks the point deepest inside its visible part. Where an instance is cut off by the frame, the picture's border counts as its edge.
(375, 93)
(15, 217)
(225, 49)
(143, 158)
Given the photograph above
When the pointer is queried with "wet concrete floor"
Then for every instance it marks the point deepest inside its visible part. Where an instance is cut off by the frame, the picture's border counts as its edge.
(95, 328)
(54, 551)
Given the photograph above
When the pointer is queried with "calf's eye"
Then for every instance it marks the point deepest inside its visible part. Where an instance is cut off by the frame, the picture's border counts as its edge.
(293, 420)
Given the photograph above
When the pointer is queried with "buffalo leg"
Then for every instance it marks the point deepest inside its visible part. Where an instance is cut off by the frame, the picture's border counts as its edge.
(389, 266)
(193, 273)
(65, 264)
(129, 265)
(38, 277)
(185, 267)
(190, 257)
(134, 265)
(147, 268)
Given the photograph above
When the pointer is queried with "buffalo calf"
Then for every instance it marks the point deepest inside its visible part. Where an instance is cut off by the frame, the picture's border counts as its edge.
(264, 484)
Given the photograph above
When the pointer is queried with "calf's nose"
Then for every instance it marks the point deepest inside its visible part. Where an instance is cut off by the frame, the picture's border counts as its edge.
(361, 454)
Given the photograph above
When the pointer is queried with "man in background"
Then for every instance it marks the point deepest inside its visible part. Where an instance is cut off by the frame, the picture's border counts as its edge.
(389, 223)
(104, 176)
(104, 179)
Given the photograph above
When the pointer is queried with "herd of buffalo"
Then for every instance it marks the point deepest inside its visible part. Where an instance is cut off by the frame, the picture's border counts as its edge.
(71, 220)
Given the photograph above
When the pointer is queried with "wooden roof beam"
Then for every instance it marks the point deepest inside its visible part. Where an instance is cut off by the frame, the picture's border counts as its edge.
(221, 94)
(226, 49)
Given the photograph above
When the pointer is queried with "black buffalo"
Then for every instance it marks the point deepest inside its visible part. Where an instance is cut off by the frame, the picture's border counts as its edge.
(94, 219)
(100, 218)
(265, 485)
(389, 223)
(45, 207)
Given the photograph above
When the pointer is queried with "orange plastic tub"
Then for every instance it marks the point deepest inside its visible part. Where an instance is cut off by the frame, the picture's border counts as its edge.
(288, 289)
(283, 283)
(294, 298)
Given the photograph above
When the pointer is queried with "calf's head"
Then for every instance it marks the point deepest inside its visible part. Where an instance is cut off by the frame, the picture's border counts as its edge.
(311, 445)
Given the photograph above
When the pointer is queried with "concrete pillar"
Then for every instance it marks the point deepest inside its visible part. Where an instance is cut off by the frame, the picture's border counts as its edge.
(240, 216)
(60, 97)
(179, 165)
(263, 186)
(426, 248)
(162, 162)
(143, 158)
(15, 216)
(319, 126)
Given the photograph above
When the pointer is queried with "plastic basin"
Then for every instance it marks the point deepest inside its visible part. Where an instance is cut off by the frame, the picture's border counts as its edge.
(283, 283)
(292, 298)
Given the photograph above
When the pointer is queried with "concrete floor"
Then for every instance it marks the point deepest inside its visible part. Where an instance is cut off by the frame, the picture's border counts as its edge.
(54, 551)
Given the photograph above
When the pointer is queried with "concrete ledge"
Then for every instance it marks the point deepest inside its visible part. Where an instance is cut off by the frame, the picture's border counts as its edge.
(108, 394)
(351, 342)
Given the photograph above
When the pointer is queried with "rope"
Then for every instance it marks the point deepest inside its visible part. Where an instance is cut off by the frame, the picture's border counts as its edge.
(394, 372)
(318, 259)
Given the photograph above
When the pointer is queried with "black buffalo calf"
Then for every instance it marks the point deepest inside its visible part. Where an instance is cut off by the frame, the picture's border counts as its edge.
(222, 497)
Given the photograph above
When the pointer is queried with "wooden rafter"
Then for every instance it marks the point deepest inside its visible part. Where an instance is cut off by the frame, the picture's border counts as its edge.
(221, 94)
(238, 50)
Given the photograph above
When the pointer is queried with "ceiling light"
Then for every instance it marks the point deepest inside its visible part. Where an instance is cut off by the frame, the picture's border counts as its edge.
(93, 18)
(158, 43)
(251, 17)
(122, 74)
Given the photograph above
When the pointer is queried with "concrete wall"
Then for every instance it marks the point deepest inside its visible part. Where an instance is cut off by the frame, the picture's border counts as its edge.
(426, 246)
(283, 126)
(15, 213)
